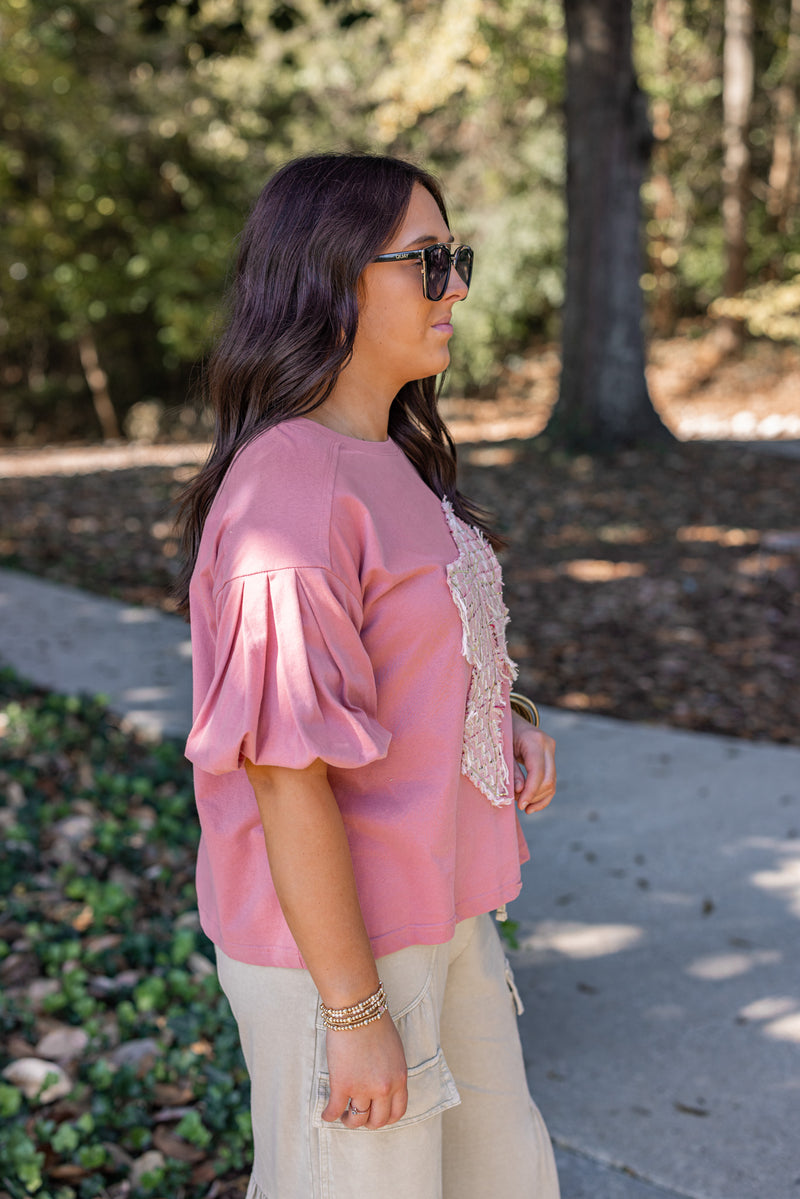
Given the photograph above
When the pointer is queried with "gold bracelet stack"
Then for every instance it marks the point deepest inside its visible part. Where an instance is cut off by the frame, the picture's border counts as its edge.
(524, 707)
(348, 1018)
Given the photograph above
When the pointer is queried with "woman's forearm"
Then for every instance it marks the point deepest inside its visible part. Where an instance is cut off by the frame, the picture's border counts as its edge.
(312, 871)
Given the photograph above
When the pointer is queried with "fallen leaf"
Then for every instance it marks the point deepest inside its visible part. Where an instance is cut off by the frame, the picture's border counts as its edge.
(31, 1073)
(690, 1110)
(174, 1146)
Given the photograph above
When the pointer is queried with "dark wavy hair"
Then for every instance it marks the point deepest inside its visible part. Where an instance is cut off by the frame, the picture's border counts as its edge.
(293, 314)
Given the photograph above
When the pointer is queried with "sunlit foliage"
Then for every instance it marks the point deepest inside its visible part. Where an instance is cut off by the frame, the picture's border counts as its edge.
(136, 133)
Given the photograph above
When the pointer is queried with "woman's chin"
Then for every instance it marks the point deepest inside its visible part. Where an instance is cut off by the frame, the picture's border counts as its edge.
(433, 367)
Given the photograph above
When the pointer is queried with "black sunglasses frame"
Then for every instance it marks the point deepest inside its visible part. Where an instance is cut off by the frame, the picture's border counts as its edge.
(456, 254)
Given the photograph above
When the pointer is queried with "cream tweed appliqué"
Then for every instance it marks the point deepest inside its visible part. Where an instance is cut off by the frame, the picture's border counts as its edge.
(476, 585)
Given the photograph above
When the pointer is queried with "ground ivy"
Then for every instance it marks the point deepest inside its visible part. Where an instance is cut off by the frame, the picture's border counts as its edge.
(96, 867)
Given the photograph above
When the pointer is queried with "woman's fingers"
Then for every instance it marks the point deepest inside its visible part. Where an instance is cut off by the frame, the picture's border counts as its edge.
(540, 800)
(539, 796)
(535, 767)
(338, 1106)
(380, 1113)
(375, 1113)
(358, 1113)
(399, 1105)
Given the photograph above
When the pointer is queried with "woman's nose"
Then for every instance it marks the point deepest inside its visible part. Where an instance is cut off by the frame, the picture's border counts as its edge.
(456, 287)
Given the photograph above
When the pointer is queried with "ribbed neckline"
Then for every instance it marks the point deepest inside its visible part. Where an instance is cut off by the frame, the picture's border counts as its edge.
(372, 447)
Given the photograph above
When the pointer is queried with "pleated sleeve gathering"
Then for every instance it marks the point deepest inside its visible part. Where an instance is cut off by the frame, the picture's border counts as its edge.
(288, 678)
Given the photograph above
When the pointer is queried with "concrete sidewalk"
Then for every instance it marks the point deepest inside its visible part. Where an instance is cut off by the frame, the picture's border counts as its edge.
(660, 957)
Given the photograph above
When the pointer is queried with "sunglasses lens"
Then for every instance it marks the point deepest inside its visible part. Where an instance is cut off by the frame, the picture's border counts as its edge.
(464, 258)
(438, 265)
(437, 270)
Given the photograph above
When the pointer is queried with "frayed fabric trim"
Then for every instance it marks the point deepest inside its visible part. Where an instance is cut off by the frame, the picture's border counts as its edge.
(254, 1191)
(476, 585)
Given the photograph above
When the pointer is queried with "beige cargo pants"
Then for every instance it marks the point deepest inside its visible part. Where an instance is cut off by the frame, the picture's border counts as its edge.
(471, 1130)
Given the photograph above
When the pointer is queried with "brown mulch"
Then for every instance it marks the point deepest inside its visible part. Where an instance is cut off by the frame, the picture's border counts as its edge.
(655, 585)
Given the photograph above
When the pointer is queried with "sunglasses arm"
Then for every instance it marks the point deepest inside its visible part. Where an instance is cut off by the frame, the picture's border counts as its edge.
(399, 256)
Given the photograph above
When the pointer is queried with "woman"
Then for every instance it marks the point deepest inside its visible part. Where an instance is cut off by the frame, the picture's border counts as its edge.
(352, 741)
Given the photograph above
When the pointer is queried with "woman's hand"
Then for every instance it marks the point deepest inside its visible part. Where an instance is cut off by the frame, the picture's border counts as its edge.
(534, 786)
(367, 1068)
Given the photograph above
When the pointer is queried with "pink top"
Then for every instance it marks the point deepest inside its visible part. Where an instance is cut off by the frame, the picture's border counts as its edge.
(339, 610)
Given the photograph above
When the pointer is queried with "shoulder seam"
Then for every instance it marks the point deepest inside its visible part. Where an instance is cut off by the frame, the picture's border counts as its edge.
(252, 574)
(335, 459)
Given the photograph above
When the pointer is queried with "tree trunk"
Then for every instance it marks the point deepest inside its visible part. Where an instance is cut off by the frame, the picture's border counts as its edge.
(603, 399)
(662, 253)
(97, 382)
(784, 184)
(737, 97)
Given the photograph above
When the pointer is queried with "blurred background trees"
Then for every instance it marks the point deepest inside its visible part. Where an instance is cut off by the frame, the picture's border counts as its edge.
(136, 133)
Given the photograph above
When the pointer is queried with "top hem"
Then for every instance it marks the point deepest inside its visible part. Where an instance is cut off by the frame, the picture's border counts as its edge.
(288, 956)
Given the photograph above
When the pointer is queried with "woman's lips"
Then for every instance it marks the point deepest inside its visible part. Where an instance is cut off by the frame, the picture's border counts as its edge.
(444, 327)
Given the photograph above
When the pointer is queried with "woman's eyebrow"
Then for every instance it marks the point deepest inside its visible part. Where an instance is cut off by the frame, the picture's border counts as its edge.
(428, 239)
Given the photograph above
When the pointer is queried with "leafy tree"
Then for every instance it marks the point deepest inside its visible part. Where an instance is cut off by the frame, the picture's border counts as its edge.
(112, 249)
(678, 58)
(679, 54)
(135, 134)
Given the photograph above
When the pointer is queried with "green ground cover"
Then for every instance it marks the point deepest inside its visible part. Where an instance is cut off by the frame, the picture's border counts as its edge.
(104, 970)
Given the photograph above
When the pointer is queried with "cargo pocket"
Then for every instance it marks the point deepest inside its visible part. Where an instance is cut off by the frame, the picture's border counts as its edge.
(359, 1163)
(519, 1006)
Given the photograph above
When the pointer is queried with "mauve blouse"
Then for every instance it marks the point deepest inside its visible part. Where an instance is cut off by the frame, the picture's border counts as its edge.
(339, 610)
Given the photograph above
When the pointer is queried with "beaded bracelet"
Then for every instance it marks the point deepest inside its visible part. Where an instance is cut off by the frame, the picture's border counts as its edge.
(524, 707)
(357, 1015)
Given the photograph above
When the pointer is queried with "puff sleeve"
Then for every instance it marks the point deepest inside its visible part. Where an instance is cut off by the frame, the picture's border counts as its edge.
(287, 677)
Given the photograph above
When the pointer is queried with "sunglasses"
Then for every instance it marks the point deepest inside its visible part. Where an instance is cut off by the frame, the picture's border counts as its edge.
(437, 262)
